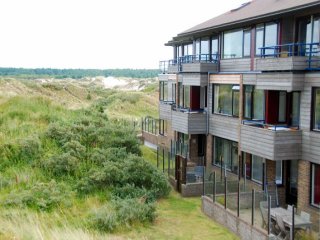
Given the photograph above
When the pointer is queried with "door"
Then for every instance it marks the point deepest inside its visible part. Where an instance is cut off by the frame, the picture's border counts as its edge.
(292, 182)
(180, 171)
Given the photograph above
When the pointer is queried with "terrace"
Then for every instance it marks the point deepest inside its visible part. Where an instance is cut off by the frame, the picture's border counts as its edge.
(293, 56)
(191, 63)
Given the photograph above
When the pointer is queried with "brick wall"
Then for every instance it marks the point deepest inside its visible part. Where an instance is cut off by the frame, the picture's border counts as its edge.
(304, 193)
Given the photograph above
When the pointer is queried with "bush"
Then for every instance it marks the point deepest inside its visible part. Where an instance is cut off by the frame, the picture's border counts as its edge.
(122, 213)
(60, 165)
(41, 196)
(22, 151)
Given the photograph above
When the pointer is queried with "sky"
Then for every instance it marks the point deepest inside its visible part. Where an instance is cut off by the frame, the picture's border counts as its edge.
(98, 34)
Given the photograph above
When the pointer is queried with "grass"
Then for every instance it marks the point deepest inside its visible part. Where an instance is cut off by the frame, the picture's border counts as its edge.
(26, 109)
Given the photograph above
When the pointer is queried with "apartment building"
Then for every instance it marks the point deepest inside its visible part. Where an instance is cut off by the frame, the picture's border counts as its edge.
(241, 97)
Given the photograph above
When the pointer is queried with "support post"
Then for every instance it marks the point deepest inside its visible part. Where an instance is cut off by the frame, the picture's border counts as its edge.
(225, 192)
(163, 160)
(292, 228)
(203, 186)
(238, 200)
(269, 215)
(157, 157)
(169, 163)
(214, 187)
(253, 206)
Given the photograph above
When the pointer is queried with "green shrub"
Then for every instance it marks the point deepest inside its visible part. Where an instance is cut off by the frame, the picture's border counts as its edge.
(60, 165)
(21, 151)
(75, 149)
(41, 196)
(122, 213)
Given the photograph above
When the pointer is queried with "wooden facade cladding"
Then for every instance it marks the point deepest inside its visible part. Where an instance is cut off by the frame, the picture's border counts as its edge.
(235, 65)
(281, 64)
(225, 78)
(193, 79)
(224, 127)
(167, 77)
(282, 81)
(165, 111)
(311, 139)
(173, 68)
(272, 145)
(200, 67)
(189, 123)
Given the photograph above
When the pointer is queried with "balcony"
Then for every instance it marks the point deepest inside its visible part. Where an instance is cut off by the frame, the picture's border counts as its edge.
(272, 142)
(191, 63)
(167, 77)
(165, 110)
(289, 57)
(189, 122)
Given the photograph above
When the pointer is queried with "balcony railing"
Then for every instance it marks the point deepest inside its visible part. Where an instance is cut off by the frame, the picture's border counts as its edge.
(271, 127)
(309, 50)
(197, 58)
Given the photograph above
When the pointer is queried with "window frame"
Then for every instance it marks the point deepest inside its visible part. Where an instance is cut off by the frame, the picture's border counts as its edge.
(312, 190)
(232, 100)
(313, 109)
(264, 35)
(243, 30)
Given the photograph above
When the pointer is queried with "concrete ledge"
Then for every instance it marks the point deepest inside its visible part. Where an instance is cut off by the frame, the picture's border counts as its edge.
(191, 189)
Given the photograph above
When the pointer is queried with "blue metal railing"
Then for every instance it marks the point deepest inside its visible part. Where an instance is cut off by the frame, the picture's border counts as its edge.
(204, 58)
(309, 50)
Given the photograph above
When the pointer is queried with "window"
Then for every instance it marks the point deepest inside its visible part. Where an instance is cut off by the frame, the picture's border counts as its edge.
(266, 36)
(315, 185)
(214, 45)
(163, 91)
(247, 43)
(279, 176)
(187, 49)
(162, 127)
(242, 38)
(204, 49)
(184, 96)
(316, 109)
(309, 33)
(282, 107)
(174, 92)
(254, 103)
(226, 99)
(226, 154)
(257, 168)
(295, 120)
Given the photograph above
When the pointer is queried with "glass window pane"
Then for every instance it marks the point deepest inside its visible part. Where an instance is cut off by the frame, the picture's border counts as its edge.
(278, 172)
(198, 47)
(216, 98)
(230, 49)
(190, 49)
(271, 37)
(235, 103)
(161, 90)
(223, 99)
(186, 97)
(205, 46)
(180, 103)
(316, 184)
(247, 101)
(259, 38)
(295, 109)
(246, 43)
(165, 91)
(316, 109)
(217, 151)
(234, 158)
(214, 46)
(282, 106)
(257, 168)
(258, 104)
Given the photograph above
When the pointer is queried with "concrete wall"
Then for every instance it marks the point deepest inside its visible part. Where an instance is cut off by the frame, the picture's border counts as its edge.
(225, 217)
